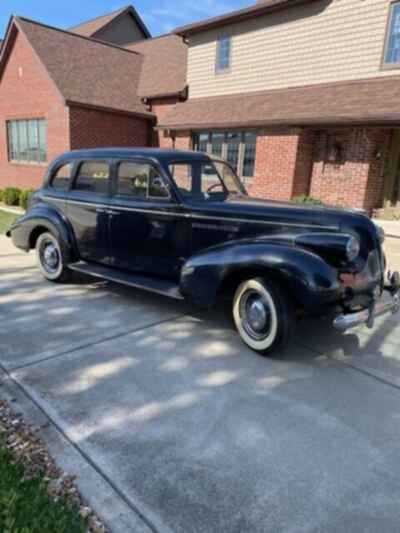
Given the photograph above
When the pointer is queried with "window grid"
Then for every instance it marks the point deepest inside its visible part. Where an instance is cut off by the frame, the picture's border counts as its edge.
(27, 140)
(238, 148)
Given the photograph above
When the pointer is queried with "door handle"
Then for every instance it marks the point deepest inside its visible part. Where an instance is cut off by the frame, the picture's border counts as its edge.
(99, 210)
(112, 213)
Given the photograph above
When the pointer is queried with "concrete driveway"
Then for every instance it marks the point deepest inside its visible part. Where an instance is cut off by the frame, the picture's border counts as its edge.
(172, 425)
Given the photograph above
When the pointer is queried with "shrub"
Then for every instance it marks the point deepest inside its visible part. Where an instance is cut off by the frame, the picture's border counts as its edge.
(24, 198)
(304, 199)
(11, 196)
(1, 195)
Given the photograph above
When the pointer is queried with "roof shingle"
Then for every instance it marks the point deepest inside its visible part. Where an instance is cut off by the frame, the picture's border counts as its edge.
(87, 71)
(354, 102)
(164, 65)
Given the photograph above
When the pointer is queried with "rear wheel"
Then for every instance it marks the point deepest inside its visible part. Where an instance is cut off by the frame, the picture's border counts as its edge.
(263, 315)
(50, 258)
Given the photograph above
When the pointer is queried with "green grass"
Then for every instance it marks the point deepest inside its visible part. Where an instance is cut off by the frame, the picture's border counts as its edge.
(6, 219)
(25, 506)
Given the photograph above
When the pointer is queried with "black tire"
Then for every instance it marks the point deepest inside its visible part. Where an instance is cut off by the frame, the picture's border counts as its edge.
(263, 315)
(51, 259)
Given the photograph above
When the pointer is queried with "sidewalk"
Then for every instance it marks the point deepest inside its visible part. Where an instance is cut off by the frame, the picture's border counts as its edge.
(391, 227)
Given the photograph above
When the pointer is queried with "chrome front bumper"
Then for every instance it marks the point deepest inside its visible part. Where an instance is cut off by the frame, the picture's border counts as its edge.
(367, 316)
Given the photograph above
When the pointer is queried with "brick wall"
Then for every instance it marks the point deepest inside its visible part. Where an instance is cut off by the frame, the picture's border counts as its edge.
(27, 92)
(160, 107)
(283, 163)
(357, 180)
(92, 128)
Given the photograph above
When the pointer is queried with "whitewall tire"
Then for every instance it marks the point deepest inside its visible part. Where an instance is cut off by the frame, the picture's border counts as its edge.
(50, 258)
(263, 315)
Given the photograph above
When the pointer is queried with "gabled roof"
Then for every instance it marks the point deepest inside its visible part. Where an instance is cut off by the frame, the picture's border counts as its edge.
(86, 71)
(90, 27)
(164, 66)
(260, 8)
(370, 101)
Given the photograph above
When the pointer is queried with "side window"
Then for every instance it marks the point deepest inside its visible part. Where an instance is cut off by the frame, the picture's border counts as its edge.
(223, 58)
(182, 175)
(93, 176)
(61, 179)
(140, 180)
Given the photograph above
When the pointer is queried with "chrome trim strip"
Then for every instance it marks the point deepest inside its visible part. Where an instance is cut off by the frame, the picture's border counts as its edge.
(191, 215)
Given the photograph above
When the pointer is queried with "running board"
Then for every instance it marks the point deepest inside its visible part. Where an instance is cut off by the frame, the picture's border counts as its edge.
(160, 286)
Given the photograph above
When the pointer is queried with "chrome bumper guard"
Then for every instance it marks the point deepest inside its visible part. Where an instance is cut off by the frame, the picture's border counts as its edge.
(367, 316)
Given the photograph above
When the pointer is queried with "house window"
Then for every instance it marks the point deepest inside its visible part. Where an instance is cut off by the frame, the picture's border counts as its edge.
(223, 59)
(27, 140)
(392, 46)
(238, 148)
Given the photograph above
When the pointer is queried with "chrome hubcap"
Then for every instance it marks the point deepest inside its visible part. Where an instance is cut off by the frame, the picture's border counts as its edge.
(50, 257)
(255, 315)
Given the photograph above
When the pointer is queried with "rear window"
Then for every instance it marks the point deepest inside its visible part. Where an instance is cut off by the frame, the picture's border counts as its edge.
(62, 177)
(93, 176)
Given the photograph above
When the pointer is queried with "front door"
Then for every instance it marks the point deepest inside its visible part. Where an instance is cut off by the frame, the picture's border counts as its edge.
(148, 232)
(87, 210)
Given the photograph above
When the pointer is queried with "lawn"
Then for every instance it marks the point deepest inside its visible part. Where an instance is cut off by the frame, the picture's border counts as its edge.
(25, 506)
(6, 219)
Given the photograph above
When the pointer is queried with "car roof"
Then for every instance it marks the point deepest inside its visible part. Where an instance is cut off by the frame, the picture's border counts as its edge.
(161, 154)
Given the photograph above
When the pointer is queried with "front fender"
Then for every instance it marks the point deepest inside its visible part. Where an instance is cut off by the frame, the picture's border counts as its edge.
(42, 217)
(306, 276)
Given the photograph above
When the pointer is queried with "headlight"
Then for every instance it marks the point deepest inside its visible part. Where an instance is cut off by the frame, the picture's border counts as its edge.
(352, 248)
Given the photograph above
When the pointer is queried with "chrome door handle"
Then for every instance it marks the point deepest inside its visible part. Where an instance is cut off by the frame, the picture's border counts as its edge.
(99, 210)
(113, 213)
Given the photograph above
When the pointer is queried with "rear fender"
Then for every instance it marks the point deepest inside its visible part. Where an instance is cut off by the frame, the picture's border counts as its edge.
(39, 219)
(307, 278)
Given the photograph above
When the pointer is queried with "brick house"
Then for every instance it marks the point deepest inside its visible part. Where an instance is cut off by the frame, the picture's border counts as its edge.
(299, 95)
(63, 90)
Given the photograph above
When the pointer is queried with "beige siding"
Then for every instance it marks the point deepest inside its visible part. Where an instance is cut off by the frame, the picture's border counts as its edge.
(321, 42)
(121, 31)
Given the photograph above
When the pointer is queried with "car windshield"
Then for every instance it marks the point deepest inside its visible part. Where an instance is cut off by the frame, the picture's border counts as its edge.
(208, 180)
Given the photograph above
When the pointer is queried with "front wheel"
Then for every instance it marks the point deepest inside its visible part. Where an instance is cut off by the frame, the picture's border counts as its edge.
(263, 315)
(50, 258)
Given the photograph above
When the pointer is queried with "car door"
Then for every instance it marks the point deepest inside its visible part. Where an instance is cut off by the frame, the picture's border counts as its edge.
(87, 205)
(148, 232)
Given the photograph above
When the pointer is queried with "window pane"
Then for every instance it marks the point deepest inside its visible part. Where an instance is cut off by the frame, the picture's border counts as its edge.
(249, 154)
(42, 140)
(157, 187)
(223, 53)
(183, 178)
(217, 140)
(27, 140)
(233, 142)
(393, 47)
(62, 177)
(93, 176)
(140, 180)
(210, 180)
(23, 140)
(33, 141)
(203, 141)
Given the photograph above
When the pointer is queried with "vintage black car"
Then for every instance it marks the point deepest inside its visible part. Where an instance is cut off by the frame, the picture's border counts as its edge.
(180, 223)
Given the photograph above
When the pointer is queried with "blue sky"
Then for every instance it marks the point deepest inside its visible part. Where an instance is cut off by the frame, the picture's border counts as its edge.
(159, 15)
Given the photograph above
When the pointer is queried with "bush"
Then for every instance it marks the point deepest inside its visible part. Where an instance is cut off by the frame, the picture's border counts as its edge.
(304, 199)
(1, 195)
(24, 198)
(11, 196)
